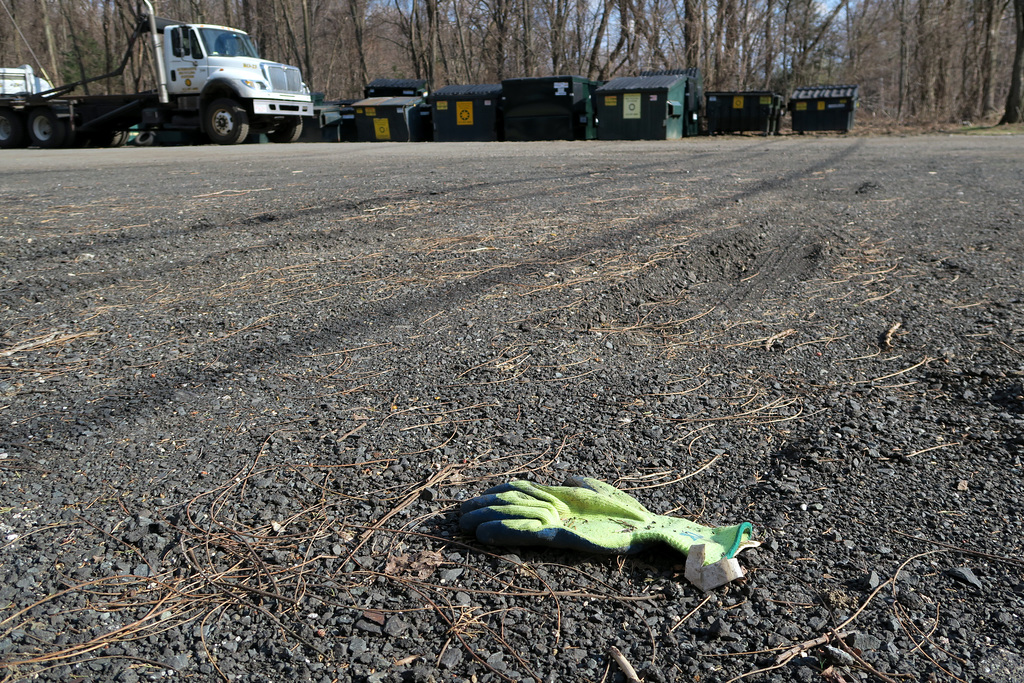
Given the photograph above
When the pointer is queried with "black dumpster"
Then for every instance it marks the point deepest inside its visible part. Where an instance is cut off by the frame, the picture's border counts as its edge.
(694, 95)
(823, 107)
(392, 119)
(463, 113)
(338, 121)
(396, 87)
(751, 111)
(549, 108)
(643, 108)
(313, 126)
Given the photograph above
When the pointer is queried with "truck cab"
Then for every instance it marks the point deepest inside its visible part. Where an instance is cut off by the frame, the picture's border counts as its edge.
(238, 92)
(210, 81)
(21, 80)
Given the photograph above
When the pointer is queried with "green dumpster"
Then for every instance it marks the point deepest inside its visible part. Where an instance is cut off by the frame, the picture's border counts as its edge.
(392, 119)
(753, 111)
(463, 113)
(396, 87)
(694, 95)
(643, 108)
(549, 108)
(823, 107)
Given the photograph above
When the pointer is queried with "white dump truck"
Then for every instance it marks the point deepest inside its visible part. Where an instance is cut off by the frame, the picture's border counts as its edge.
(210, 80)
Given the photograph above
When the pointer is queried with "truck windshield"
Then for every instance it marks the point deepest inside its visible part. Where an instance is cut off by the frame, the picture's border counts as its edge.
(219, 42)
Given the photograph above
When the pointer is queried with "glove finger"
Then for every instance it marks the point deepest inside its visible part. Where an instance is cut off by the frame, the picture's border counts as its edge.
(531, 532)
(621, 498)
(518, 491)
(504, 488)
(511, 532)
(583, 496)
(501, 510)
(504, 496)
(593, 496)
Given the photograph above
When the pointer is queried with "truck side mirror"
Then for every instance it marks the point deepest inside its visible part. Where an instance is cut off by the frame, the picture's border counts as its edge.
(176, 48)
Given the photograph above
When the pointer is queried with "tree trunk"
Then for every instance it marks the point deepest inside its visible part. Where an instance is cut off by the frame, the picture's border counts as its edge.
(51, 46)
(467, 71)
(73, 32)
(769, 46)
(500, 22)
(433, 51)
(596, 70)
(358, 15)
(307, 39)
(528, 59)
(902, 74)
(1015, 99)
(692, 30)
(994, 10)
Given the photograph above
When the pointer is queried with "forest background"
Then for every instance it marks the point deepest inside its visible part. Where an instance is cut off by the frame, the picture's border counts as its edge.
(917, 62)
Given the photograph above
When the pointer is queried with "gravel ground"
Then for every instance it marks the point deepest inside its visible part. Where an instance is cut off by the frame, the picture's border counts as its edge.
(244, 390)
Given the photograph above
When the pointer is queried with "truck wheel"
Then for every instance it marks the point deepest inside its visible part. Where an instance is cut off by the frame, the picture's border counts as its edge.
(46, 130)
(12, 130)
(226, 122)
(290, 130)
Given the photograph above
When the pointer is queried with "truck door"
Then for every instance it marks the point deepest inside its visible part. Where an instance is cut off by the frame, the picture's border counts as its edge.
(186, 63)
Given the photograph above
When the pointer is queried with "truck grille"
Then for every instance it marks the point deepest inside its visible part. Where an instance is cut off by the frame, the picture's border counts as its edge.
(284, 78)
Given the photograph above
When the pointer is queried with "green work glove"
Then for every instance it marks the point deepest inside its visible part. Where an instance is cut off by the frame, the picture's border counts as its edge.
(589, 515)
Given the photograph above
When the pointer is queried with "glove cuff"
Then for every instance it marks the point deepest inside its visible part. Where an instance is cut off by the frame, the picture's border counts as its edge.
(710, 576)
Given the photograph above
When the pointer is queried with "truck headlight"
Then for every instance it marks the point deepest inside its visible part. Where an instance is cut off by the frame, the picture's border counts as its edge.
(256, 85)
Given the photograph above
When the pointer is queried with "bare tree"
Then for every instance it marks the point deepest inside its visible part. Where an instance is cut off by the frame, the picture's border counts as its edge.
(1015, 97)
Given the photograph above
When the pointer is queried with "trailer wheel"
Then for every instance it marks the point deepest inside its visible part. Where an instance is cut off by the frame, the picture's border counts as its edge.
(110, 138)
(46, 130)
(226, 122)
(12, 130)
(145, 138)
(290, 130)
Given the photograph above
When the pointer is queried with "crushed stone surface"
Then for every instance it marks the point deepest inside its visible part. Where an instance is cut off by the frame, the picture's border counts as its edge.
(243, 392)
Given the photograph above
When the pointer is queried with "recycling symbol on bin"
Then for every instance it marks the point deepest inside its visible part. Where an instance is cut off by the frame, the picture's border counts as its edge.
(465, 115)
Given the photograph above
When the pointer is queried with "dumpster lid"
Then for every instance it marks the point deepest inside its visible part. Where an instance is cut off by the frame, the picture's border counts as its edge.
(642, 83)
(744, 93)
(388, 102)
(540, 79)
(407, 86)
(481, 90)
(815, 92)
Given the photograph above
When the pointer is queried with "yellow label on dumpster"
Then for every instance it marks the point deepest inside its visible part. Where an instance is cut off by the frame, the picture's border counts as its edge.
(737, 102)
(382, 129)
(766, 99)
(371, 111)
(801, 106)
(611, 100)
(821, 105)
(464, 113)
(442, 105)
(631, 105)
